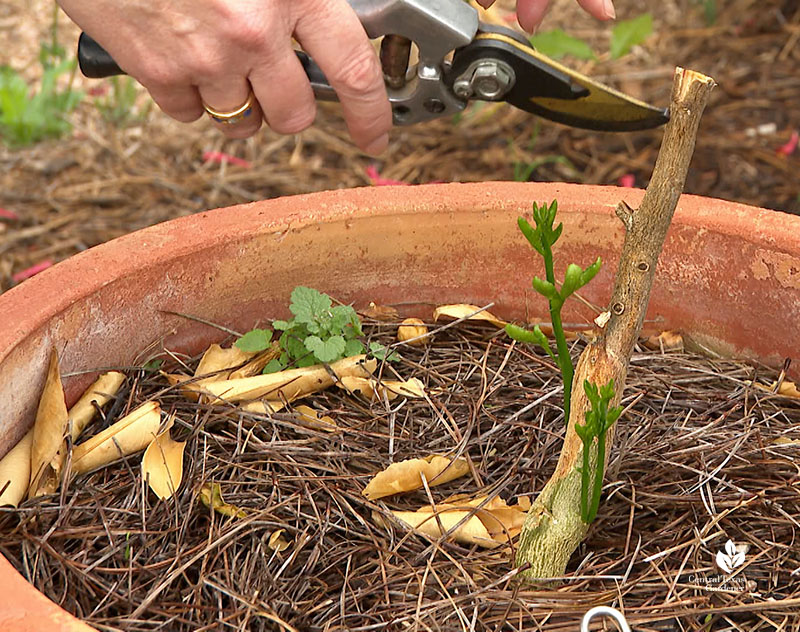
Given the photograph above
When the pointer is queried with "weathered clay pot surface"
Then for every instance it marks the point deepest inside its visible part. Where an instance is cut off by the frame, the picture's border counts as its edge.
(729, 276)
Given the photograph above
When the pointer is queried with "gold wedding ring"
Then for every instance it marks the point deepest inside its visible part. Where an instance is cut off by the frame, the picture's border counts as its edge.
(234, 116)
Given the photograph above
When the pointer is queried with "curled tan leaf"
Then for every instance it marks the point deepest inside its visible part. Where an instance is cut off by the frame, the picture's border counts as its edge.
(96, 396)
(277, 542)
(129, 435)
(383, 313)
(665, 341)
(49, 431)
(406, 476)
(210, 495)
(488, 526)
(290, 384)
(469, 312)
(218, 363)
(15, 472)
(263, 406)
(788, 389)
(315, 420)
(371, 389)
(162, 464)
(413, 331)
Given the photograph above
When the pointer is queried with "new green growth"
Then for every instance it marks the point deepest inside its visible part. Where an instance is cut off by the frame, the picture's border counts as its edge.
(599, 419)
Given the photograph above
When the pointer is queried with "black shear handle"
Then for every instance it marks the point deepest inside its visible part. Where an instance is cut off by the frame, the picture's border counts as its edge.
(96, 63)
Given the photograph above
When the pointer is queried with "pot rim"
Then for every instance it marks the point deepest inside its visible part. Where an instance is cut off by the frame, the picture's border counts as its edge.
(26, 307)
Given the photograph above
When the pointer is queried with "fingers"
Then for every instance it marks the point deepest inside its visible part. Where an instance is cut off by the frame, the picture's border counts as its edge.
(531, 12)
(601, 9)
(334, 37)
(180, 102)
(282, 89)
(230, 96)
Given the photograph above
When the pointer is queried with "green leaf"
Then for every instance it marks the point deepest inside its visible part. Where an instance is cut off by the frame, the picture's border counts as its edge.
(591, 392)
(352, 348)
(255, 340)
(341, 317)
(585, 433)
(282, 325)
(628, 33)
(328, 350)
(536, 337)
(273, 366)
(293, 345)
(309, 304)
(545, 288)
(572, 280)
(153, 365)
(590, 272)
(382, 352)
(557, 43)
(533, 235)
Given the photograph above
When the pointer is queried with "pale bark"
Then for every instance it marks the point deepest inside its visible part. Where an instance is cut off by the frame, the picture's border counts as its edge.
(553, 528)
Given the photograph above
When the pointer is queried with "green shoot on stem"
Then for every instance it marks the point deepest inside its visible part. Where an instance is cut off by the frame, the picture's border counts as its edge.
(599, 419)
(542, 237)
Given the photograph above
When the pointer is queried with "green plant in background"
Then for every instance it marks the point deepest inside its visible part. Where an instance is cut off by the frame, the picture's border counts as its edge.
(629, 33)
(624, 35)
(556, 43)
(118, 107)
(28, 116)
(542, 238)
(319, 332)
(524, 170)
(599, 419)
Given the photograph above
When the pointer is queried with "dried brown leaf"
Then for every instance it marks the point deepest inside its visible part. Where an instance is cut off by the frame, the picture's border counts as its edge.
(129, 435)
(381, 312)
(96, 396)
(406, 476)
(290, 384)
(49, 431)
(470, 312)
(211, 496)
(493, 524)
(414, 331)
(15, 472)
(162, 464)
(277, 542)
(372, 390)
(665, 341)
(315, 420)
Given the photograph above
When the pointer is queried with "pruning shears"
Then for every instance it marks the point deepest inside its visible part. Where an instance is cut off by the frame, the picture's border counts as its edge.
(460, 59)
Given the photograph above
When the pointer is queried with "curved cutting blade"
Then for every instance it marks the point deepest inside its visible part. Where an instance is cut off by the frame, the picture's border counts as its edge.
(553, 91)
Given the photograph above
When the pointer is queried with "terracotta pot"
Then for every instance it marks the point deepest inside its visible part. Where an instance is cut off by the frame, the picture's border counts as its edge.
(729, 276)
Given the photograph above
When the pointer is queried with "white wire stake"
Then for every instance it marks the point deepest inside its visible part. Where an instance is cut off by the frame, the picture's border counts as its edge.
(605, 611)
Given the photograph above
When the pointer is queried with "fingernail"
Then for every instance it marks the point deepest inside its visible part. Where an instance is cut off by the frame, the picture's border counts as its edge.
(608, 7)
(378, 145)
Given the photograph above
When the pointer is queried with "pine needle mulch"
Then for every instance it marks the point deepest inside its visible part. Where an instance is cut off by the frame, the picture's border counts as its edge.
(110, 178)
(702, 456)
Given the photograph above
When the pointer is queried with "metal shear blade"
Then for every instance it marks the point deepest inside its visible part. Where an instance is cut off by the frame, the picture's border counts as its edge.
(549, 89)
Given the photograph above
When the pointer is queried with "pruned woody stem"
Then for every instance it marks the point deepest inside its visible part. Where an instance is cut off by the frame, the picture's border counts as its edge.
(554, 528)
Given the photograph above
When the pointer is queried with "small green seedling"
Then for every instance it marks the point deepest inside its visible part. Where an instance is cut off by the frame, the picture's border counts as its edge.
(319, 332)
(28, 116)
(599, 420)
(542, 238)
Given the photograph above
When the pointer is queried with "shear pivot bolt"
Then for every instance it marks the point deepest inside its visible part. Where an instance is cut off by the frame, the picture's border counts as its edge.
(488, 79)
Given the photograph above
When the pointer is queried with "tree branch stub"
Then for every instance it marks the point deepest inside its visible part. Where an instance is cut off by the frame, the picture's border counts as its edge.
(553, 528)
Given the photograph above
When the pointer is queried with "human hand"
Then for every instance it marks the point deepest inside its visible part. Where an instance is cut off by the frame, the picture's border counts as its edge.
(193, 52)
(531, 12)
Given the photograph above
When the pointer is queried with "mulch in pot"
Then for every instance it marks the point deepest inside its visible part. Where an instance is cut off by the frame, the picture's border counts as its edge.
(701, 457)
